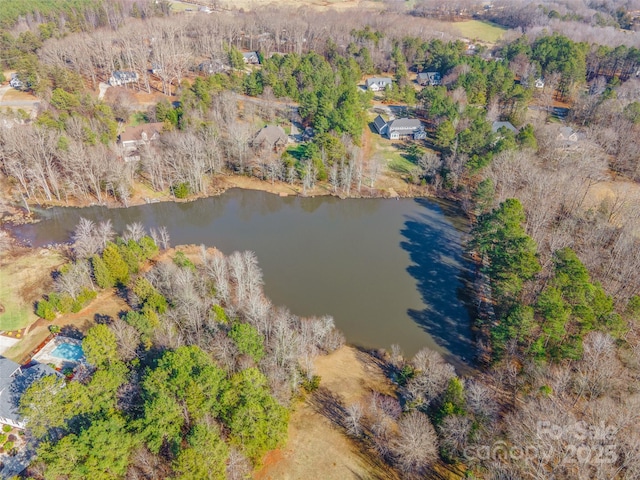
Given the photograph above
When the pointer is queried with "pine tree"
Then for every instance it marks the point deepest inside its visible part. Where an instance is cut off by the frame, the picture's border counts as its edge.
(115, 264)
(101, 273)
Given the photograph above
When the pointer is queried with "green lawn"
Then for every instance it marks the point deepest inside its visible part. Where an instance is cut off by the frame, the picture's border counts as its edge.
(386, 152)
(480, 30)
(399, 164)
(16, 314)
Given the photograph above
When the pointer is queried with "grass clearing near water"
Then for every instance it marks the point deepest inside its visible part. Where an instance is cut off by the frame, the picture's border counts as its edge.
(23, 280)
(480, 30)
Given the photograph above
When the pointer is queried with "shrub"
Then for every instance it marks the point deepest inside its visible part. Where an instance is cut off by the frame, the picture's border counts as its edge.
(3, 437)
(45, 310)
(83, 298)
(311, 384)
(66, 304)
(86, 295)
(8, 446)
(181, 190)
(220, 314)
(54, 328)
(182, 261)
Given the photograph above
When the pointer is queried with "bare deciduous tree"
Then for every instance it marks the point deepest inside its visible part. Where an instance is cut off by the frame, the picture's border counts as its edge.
(415, 447)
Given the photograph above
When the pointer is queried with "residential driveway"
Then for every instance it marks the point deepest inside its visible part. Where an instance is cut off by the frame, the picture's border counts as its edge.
(391, 111)
(4, 90)
(31, 104)
(103, 89)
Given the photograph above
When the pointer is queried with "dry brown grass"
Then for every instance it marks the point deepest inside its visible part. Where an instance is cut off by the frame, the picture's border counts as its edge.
(316, 447)
(25, 275)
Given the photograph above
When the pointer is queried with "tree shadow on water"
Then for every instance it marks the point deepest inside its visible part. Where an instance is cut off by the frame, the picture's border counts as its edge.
(443, 275)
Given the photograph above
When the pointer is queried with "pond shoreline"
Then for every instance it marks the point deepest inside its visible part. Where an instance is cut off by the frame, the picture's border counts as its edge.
(422, 268)
(13, 214)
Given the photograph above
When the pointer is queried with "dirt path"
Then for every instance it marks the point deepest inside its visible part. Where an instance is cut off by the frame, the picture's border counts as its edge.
(317, 448)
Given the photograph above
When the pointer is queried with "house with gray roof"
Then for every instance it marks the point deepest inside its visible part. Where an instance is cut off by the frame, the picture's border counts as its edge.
(429, 78)
(271, 137)
(251, 58)
(14, 381)
(568, 138)
(120, 77)
(400, 128)
(15, 81)
(496, 126)
(406, 127)
(380, 125)
(212, 67)
(376, 84)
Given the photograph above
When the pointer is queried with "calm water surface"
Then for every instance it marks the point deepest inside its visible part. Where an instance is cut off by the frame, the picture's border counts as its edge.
(389, 271)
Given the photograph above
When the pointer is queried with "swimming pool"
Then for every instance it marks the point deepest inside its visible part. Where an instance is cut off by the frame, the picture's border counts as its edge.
(68, 351)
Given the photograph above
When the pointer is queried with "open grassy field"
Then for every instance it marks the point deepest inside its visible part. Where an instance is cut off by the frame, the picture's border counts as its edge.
(480, 30)
(24, 277)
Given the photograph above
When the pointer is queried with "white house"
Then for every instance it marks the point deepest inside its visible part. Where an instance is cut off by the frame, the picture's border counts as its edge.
(376, 84)
(119, 77)
(539, 82)
(14, 381)
(15, 81)
(400, 128)
(251, 58)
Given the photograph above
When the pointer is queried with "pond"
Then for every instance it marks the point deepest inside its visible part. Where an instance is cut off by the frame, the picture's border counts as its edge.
(388, 270)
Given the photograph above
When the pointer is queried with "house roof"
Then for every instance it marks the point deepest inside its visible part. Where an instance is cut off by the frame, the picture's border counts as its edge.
(379, 81)
(13, 387)
(405, 124)
(7, 369)
(495, 126)
(135, 133)
(379, 123)
(566, 132)
(251, 56)
(122, 75)
(271, 135)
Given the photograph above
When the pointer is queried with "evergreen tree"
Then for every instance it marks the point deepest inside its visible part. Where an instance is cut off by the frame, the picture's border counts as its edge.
(116, 266)
(101, 273)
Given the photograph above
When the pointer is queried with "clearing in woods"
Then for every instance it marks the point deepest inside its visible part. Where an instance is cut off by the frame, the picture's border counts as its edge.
(480, 30)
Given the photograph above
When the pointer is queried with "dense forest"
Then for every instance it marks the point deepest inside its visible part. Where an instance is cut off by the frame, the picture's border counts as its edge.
(203, 358)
